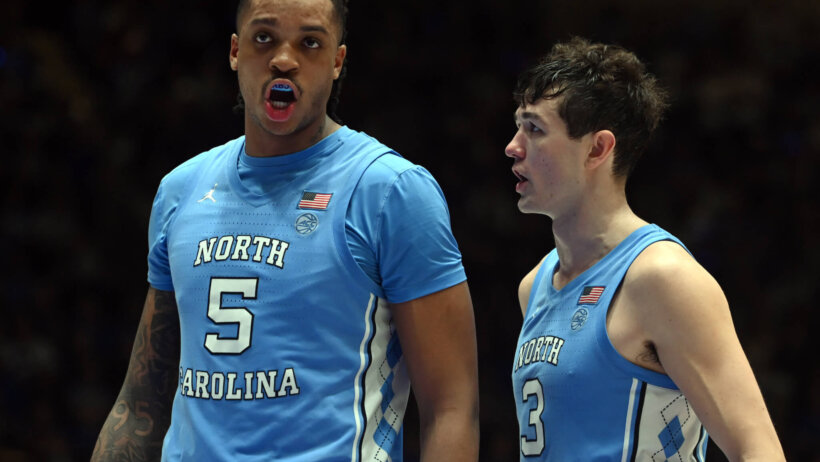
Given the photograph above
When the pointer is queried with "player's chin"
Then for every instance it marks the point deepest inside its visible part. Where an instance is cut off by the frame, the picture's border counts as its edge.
(525, 205)
(270, 127)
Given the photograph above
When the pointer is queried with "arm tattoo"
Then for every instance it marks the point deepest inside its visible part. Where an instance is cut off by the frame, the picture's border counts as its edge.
(140, 417)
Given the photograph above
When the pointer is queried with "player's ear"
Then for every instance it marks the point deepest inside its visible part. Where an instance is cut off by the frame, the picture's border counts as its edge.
(339, 61)
(233, 57)
(601, 149)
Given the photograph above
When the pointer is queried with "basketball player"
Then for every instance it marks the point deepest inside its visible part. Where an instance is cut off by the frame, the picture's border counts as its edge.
(302, 276)
(627, 350)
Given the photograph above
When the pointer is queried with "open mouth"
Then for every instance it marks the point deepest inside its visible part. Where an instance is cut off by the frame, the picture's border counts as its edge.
(282, 97)
(522, 180)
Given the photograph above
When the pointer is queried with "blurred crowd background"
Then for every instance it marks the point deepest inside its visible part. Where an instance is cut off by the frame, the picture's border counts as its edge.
(98, 100)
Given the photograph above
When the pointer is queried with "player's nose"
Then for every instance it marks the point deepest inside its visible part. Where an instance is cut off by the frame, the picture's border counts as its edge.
(515, 148)
(284, 59)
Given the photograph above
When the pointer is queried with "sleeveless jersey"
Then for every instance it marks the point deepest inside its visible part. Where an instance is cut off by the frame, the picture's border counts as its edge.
(577, 398)
(288, 351)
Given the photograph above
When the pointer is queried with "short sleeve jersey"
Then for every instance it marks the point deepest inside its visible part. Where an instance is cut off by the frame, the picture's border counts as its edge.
(282, 269)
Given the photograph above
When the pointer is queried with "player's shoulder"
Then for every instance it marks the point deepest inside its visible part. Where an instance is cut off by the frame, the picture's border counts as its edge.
(388, 166)
(667, 271)
(666, 289)
(527, 283)
(391, 170)
(663, 259)
(391, 175)
(182, 173)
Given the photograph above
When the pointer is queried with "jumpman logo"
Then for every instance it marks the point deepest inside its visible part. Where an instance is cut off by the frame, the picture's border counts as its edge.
(209, 194)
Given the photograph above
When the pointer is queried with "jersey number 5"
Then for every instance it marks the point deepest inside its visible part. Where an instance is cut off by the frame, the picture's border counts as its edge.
(532, 387)
(239, 315)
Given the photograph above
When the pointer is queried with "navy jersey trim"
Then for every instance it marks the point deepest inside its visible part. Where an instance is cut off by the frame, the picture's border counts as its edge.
(636, 429)
(699, 453)
(368, 360)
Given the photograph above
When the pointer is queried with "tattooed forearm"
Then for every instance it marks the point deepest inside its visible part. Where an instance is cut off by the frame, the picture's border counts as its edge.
(139, 419)
(155, 355)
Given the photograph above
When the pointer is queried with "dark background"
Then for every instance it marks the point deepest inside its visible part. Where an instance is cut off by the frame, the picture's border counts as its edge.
(98, 100)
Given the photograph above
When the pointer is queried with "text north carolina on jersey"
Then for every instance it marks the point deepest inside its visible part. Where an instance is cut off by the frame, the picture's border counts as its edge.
(233, 386)
(242, 247)
(545, 348)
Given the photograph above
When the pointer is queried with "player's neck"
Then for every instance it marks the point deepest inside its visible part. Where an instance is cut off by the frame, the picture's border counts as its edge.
(263, 143)
(586, 237)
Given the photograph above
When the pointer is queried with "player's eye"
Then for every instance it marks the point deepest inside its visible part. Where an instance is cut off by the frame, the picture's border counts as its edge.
(532, 128)
(311, 42)
(262, 38)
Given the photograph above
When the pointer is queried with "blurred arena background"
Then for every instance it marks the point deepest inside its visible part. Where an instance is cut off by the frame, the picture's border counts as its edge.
(98, 100)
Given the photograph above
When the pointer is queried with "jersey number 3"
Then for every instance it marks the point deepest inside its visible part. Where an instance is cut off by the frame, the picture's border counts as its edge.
(239, 315)
(532, 387)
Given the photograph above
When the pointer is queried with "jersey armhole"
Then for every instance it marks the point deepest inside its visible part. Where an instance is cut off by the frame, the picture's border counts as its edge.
(611, 355)
(537, 281)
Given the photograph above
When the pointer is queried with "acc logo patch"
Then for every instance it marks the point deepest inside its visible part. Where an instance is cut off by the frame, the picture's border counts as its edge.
(579, 319)
(306, 223)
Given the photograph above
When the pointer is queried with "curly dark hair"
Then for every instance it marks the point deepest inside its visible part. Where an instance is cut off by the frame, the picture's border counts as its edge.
(340, 9)
(603, 87)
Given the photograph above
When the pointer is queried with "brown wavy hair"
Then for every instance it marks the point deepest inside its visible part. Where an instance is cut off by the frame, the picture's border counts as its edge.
(602, 87)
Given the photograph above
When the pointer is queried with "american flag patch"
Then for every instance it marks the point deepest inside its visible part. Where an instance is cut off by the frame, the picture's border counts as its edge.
(312, 200)
(590, 295)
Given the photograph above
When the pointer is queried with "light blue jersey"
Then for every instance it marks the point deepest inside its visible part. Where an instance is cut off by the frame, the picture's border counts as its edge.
(577, 398)
(288, 350)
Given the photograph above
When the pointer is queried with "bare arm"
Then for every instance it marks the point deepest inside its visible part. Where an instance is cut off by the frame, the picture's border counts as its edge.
(139, 419)
(686, 317)
(437, 334)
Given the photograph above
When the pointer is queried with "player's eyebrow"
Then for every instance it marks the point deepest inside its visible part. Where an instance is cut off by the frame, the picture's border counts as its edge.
(526, 115)
(271, 22)
(265, 21)
(319, 29)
